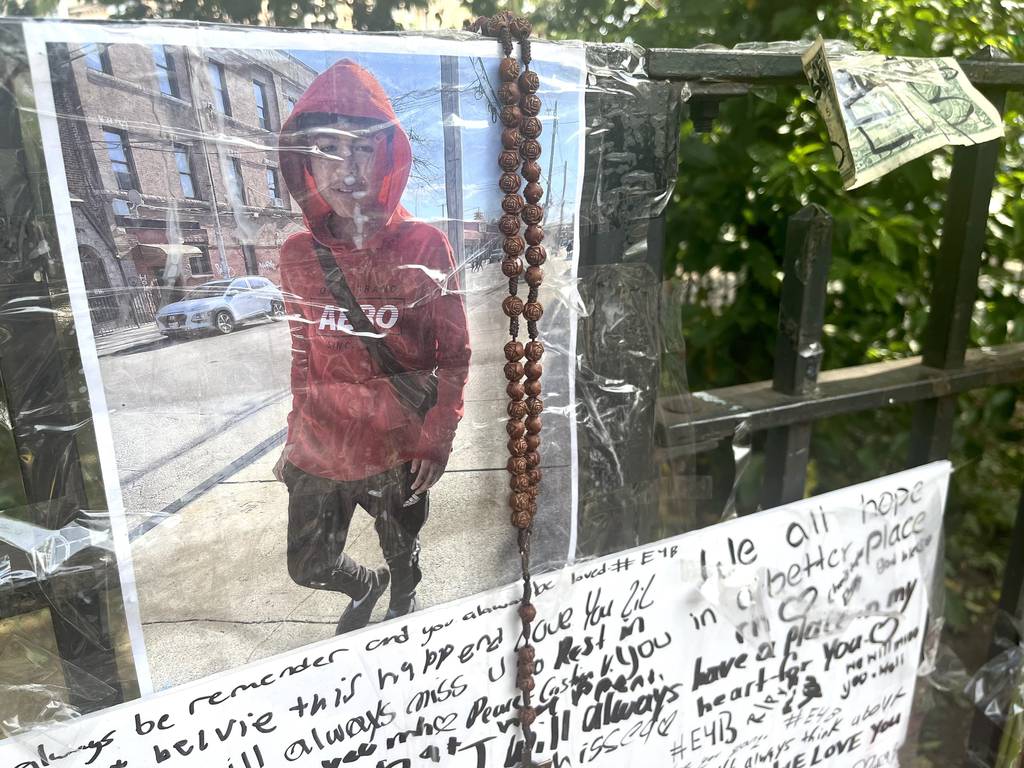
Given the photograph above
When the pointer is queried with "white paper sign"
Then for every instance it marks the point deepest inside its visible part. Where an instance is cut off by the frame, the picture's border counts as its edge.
(790, 638)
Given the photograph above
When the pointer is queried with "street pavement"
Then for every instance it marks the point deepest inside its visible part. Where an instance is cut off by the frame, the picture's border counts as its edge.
(198, 426)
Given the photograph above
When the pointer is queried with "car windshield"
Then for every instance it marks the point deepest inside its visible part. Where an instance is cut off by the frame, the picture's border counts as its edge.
(206, 290)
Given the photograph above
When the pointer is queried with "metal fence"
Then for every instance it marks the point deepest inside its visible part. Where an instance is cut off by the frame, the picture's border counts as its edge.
(787, 407)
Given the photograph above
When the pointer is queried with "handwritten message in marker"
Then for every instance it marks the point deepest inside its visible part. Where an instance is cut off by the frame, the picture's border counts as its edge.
(788, 639)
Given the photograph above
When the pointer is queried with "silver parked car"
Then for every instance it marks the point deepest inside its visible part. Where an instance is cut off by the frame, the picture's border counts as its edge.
(221, 305)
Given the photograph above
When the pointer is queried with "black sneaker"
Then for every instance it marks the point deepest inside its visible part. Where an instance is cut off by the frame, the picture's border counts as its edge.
(357, 615)
(408, 606)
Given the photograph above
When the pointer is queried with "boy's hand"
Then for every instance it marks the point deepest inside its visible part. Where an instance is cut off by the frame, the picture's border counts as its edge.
(426, 472)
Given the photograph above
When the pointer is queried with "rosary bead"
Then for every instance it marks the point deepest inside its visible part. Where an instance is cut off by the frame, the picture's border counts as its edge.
(513, 371)
(534, 406)
(525, 684)
(513, 203)
(509, 183)
(532, 459)
(514, 245)
(512, 306)
(519, 483)
(531, 213)
(530, 149)
(508, 224)
(534, 350)
(512, 267)
(527, 612)
(536, 255)
(529, 105)
(533, 490)
(516, 390)
(532, 442)
(514, 350)
(517, 447)
(526, 655)
(517, 409)
(533, 369)
(531, 128)
(527, 715)
(534, 475)
(533, 311)
(520, 27)
(521, 518)
(511, 116)
(510, 138)
(508, 160)
(520, 502)
(534, 277)
(508, 93)
(517, 465)
(531, 171)
(515, 428)
(529, 81)
(534, 234)
(532, 387)
(533, 192)
(509, 69)
(533, 426)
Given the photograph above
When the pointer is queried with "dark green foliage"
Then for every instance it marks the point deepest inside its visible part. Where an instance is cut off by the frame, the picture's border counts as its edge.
(768, 156)
(373, 15)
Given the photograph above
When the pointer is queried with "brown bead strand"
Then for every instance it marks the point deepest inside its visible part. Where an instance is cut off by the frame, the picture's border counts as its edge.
(519, 139)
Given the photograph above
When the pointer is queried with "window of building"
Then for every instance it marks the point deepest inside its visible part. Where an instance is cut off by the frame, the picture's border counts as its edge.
(120, 159)
(272, 187)
(219, 83)
(259, 92)
(97, 58)
(166, 73)
(183, 159)
(236, 182)
(289, 103)
(199, 264)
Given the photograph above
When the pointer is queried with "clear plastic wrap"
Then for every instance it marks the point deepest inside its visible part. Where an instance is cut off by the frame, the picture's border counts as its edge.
(154, 444)
(190, 402)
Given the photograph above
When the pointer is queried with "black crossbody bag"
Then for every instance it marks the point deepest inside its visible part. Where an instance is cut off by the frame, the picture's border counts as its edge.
(416, 390)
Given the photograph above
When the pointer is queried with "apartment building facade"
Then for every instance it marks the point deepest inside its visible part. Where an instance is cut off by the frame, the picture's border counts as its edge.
(170, 158)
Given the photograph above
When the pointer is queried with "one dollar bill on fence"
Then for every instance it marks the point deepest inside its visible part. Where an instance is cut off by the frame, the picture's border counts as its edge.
(883, 111)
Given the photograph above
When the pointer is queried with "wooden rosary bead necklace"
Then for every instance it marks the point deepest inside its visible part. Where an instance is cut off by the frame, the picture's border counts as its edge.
(517, 161)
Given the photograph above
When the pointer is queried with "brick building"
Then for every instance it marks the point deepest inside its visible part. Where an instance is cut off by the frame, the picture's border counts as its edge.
(156, 207)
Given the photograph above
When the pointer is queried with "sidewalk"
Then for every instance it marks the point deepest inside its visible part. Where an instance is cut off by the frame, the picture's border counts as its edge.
(122, 341)
(213, 582)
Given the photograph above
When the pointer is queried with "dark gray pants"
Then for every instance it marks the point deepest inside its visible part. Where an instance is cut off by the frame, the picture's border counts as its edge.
(319, 514)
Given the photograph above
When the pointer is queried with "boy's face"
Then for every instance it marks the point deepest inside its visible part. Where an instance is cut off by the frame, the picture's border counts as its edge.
(342, 166)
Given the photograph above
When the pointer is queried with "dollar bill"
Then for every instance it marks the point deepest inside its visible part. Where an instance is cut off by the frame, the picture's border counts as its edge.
(883, 111)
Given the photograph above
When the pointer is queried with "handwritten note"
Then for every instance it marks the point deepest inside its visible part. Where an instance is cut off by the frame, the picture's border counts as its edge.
(883, 111)
(788, 639)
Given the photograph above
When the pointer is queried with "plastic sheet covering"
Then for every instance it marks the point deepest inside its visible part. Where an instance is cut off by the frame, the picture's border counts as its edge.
(199, 429)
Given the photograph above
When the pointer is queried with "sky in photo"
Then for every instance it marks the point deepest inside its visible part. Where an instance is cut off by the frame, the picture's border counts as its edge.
(415, 92)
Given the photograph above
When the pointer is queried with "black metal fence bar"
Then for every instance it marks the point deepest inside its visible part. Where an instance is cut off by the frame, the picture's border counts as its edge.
(798, 349)
(716, 413)
(954, 287)
(785, 68)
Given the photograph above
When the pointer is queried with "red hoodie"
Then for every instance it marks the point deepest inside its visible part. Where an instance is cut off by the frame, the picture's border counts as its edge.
(346, 422)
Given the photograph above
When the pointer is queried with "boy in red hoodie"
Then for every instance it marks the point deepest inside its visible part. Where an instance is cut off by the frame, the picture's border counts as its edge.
(356, 436)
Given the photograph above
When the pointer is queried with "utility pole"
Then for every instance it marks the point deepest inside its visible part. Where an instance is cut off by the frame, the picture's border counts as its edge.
(453, 160)
(561, 203)
(551, 155)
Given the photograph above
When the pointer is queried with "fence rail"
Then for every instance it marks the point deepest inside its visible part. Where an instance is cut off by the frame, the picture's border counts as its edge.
(788, 407)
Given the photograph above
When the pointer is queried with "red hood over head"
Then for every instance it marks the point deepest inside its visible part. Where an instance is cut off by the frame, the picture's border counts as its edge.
(348, 90)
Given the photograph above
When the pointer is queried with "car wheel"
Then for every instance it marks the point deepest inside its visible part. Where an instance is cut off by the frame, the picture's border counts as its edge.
(276, 310)
(224, 322)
